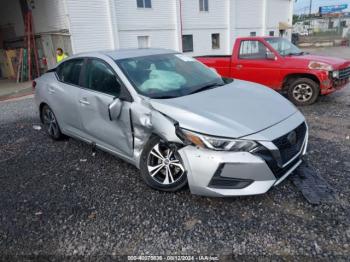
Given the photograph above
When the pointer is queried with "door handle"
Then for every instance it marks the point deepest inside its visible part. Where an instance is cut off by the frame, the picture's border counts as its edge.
(239, 67)
(51, 90)
(84, 101)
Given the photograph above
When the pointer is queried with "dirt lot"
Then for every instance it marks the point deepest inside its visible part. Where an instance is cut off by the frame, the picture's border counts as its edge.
(339, 51)
(58, 199)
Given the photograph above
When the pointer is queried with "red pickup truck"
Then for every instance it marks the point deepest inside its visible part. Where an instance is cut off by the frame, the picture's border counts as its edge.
(277, 63)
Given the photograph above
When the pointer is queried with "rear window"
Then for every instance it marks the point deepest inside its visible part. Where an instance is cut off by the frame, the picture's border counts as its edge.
(69, 71)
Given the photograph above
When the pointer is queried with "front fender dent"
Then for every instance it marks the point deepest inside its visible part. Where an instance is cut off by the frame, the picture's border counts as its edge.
(146, 121)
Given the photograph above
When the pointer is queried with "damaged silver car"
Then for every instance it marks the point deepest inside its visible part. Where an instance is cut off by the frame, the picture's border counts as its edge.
(175, 119)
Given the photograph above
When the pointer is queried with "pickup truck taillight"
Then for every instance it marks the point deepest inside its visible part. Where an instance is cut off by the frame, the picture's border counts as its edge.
(33, 85)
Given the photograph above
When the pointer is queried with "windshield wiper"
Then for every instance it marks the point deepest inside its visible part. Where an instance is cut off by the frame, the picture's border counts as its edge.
(206, 87)
(163, 97)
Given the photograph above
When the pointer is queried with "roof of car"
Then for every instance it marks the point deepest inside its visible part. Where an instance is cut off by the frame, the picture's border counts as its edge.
(257, 37)
(129, 53)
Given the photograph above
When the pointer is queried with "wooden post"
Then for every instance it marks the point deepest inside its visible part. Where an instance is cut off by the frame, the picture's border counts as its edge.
(19, 67)
(35, 51)
(29, 47)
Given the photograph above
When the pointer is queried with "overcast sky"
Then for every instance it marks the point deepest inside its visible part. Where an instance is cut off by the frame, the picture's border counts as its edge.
(302, 6)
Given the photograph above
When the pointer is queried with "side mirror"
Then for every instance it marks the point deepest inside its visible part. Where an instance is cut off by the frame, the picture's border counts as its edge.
(115, 109)
(270, 56)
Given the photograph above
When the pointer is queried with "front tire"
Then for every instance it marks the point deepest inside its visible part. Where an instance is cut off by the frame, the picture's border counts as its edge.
(162, 167)
(303, 91)
(50, 123)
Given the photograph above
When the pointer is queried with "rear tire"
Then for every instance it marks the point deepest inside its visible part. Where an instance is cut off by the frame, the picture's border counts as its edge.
(161, 166)
(303, 91)
(51, 125)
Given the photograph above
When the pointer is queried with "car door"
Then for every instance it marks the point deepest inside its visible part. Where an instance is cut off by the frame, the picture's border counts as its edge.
(63, 95)
(254, 64)
(101, 87)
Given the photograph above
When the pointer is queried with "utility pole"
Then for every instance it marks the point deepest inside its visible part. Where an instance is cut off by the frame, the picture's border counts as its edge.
(310, 9)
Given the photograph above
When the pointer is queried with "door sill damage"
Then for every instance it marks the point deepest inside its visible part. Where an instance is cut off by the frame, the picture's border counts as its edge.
(313, 186)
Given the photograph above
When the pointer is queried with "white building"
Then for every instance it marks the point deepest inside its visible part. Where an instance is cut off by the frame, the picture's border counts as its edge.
(199, 27)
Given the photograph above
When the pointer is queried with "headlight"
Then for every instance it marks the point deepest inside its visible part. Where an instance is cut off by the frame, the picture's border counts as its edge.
(320, 66)
(335, 74)
(217, 143)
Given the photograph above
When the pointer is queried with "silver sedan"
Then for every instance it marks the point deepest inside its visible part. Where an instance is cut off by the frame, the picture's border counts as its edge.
(175, 119)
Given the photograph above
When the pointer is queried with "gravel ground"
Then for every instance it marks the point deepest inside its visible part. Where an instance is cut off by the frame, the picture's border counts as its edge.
(58, 199)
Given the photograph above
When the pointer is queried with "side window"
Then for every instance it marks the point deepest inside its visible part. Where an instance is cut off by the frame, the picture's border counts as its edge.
(252, 49)
(203, 5)
(69, 72)
(100, 77)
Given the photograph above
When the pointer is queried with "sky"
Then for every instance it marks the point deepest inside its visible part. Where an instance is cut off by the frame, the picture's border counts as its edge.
(302, 6)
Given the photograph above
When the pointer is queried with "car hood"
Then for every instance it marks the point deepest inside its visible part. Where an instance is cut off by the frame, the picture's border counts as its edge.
(334, 61)
(234, 110)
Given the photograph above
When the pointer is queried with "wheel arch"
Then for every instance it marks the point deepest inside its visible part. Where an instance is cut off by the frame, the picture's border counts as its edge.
(176, 184)
(288, 79)
(146, 127)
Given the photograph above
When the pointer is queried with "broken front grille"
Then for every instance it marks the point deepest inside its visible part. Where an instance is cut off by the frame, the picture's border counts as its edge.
(287, 151)
(272, 163)
(344, 73)
(290, 144)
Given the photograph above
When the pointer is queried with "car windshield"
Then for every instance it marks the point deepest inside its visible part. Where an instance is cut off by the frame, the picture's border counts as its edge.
(283, 46)
(168, 75)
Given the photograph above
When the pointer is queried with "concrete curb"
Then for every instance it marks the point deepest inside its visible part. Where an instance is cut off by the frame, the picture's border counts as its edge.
(16, 97)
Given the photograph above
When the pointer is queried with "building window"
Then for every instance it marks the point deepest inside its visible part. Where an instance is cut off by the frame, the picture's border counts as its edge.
(271, 33)
(204, 5)
(143, 41)
(252, 33)
(144, 3)
(330, 25)
(187, 43)
(215, 41)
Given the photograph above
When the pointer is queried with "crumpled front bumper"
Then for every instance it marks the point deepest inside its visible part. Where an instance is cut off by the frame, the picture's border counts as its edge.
(329, 85)
(247, 173)
(203, 164)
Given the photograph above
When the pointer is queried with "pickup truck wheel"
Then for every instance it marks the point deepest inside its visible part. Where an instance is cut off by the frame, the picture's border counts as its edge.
(161, 166)
(303, 91)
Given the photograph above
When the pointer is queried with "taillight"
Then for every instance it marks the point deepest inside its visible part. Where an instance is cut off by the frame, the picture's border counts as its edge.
(33, 85)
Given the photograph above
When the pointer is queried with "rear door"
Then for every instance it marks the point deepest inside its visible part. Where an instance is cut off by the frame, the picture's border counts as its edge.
(63, 95)
(252, 64)
(101, 87)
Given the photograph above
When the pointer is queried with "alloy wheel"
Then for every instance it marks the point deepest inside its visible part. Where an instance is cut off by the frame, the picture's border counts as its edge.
(164, 164)
(302, 92)
(50, 122)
